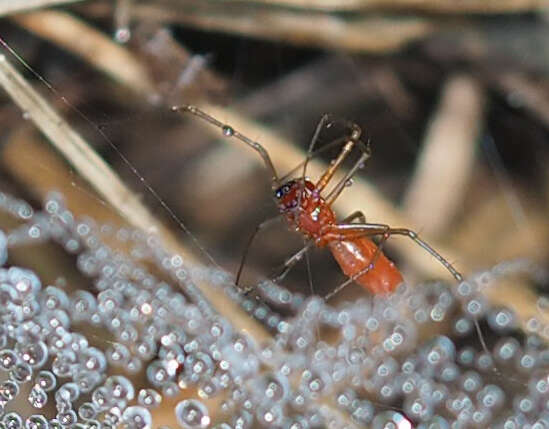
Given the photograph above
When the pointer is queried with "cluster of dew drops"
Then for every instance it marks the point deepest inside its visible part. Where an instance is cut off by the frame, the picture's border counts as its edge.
(363, 364)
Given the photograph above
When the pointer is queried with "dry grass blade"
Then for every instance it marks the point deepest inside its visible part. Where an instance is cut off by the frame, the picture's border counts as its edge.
(106, 183)
(15, 6)
(361, 34)
(448, 154)
(91, 45)
(446, 6)
(532, 96)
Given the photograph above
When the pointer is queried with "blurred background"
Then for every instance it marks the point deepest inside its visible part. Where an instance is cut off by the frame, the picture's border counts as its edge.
(451, 95)
(454, 97)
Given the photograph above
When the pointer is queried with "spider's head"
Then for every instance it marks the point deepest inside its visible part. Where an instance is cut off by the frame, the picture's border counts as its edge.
(292, 194)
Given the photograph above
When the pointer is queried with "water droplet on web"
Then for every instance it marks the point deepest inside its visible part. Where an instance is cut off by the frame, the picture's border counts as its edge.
(34, 354)
(391, 419)
(101, 398)
(120, 388)
(227, 131)
(38, 398)
(54, 424)
(67, 418)
(122, 35)
(46, 380)
(21, 372)
(9, 390)
(192, 414)
(36, 421)
(8, 359)
(87, 411)
(12, 420)
(149, 398)
(68, 392)
(502, 319)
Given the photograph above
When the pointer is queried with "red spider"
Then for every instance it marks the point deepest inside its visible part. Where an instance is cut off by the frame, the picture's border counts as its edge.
(308, 211)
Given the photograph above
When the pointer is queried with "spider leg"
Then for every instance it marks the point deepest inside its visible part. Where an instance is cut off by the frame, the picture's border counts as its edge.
(249, 244)
(355, 215)
(309, 156)
(229, 131)
(338, 188)
(353, 139)
(291, 261)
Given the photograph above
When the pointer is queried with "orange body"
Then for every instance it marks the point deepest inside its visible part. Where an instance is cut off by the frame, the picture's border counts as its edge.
(354, 256)
(309, 213)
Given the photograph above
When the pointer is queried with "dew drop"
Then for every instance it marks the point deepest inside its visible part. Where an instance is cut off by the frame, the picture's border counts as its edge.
(67, 418)
(501, 320)
(9, 390)
(21, 372)
(8, 359)
(36, 421)
(227, 131)
(12, 421)
(192, 414)
(120, 388)
(34, 354)
(149, 398)
(122, 35)
(101, 398)
(38, 398)
(363, 412)
(391, 420)
(87, 380)
(87, 411)
(157, 373)
(137, 417)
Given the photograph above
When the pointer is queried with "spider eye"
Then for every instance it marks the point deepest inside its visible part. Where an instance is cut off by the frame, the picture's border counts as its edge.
(283, 190)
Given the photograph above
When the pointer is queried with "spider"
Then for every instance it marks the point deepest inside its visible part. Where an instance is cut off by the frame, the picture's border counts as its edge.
(307, 208)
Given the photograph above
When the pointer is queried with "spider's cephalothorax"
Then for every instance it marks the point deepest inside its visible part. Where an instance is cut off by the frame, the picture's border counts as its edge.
(304, 208)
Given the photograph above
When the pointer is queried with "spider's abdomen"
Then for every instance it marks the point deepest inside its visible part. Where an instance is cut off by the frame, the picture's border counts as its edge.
(354, 256)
